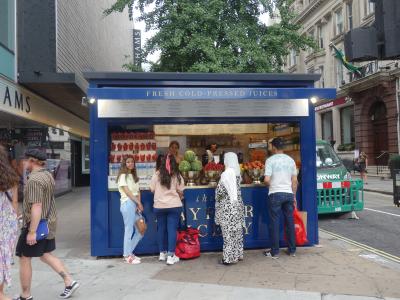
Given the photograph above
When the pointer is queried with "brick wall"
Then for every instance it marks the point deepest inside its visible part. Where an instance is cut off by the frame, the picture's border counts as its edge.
(87, 41)
(364, 127)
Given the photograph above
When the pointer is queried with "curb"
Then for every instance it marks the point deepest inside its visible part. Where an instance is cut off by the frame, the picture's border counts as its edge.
(378, 191)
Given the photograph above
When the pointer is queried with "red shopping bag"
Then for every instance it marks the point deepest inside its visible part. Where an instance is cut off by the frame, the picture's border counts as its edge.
(187, 243)
(299, 228)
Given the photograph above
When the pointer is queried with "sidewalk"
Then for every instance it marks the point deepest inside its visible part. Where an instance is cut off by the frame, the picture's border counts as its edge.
(333, 271)
(375, 184)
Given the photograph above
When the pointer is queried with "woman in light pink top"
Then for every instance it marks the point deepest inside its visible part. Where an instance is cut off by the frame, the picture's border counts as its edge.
(167, 185)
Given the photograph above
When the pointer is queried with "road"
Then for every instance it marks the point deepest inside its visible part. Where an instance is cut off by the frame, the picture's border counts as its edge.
(378, 226)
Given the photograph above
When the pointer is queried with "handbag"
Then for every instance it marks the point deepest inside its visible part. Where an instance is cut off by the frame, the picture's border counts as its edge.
(141, 224)
(42, 231)
(187, 240)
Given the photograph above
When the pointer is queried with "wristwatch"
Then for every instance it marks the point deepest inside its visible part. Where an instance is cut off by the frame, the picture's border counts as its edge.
(32, 231)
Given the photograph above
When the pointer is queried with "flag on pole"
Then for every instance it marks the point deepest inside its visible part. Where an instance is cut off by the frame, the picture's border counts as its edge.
(340, 56)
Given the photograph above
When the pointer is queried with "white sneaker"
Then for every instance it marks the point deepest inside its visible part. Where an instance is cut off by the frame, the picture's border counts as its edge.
(163, 256)
(137, 257)
(172, 260)
(132, 260)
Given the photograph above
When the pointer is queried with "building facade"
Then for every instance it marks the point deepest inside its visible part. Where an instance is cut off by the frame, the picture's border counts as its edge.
(365, 114)
(44, 48)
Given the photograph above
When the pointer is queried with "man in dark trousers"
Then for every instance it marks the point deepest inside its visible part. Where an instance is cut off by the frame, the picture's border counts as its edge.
(39, 204)
(281, 178)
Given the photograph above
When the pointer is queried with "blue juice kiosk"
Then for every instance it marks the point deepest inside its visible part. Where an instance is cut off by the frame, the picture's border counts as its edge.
(138, 114)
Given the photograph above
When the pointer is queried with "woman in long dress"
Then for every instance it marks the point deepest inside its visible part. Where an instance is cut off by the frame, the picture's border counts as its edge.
(8, 218)
(229, 210)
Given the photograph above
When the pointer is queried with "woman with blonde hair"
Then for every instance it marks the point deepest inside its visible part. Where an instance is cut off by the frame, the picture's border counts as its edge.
(128, 186)
(8, 218)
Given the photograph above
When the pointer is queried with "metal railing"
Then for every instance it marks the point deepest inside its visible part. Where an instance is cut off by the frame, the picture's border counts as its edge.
(365, 71)
(382, 162)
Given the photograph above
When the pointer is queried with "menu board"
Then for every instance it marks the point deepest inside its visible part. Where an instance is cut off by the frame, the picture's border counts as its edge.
(115, 108)
(35, 137)
(210, 129)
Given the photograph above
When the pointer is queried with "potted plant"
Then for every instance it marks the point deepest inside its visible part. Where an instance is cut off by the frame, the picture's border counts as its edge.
(341, 147)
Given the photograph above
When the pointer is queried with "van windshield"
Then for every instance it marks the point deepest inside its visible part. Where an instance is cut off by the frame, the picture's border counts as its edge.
(327, 157)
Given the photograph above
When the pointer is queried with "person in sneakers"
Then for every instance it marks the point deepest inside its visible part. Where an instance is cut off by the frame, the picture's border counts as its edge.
(39, 204)
(128, 186)
(281, 178)
(167, 185)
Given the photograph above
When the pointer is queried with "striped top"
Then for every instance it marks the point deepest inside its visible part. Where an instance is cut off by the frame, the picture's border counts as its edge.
(40, 189)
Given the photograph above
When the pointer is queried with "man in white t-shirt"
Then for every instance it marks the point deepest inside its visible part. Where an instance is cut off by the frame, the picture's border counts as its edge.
(281, 178)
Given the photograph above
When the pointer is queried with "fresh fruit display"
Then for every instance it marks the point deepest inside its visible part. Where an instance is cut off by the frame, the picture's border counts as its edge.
(190, 156)
(212, 166)
(253, 165)
(184, 166)
(196, 165)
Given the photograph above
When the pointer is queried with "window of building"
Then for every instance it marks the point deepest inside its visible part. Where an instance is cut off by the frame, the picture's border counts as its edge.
(369, 7)
(349, 9)
(292, 58)
(7, 26)
(322, 79)
(347, 124)
(338, 22)
(320, 33)
(311, 35)
(327, 126)
(339, 73)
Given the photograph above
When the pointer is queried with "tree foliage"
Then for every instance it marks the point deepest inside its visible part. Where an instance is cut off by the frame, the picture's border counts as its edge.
(218, 35)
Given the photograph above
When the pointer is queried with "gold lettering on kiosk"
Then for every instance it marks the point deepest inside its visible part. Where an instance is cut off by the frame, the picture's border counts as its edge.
(248, 211)
(246, 228)
(194, 212)
(201, 234)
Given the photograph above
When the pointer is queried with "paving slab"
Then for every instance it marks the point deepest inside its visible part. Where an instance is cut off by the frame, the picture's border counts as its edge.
(332, 271)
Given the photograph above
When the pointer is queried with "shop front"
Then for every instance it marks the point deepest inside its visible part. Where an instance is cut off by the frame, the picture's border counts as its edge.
(29, 121)
(140, 114)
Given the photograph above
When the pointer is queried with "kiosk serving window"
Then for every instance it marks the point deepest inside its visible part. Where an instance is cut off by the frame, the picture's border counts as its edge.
(200, 146)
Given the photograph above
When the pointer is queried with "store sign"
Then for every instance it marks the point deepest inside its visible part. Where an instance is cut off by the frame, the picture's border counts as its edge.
(189, 108)
(333, 103)
(14, 99)
(20, 102)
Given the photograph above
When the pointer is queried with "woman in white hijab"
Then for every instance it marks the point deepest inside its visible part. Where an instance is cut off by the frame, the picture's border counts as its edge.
(229, 210)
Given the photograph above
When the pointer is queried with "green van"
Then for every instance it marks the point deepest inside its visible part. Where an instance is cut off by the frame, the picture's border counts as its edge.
(337, 192)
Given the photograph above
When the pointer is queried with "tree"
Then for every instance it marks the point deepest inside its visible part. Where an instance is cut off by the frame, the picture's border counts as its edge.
(218, 35)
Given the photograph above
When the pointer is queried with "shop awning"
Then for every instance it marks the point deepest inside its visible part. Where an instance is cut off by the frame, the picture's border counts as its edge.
(63, 89)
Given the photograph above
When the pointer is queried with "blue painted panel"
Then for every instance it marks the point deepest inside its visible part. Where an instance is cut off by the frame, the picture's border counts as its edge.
(200, 211)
